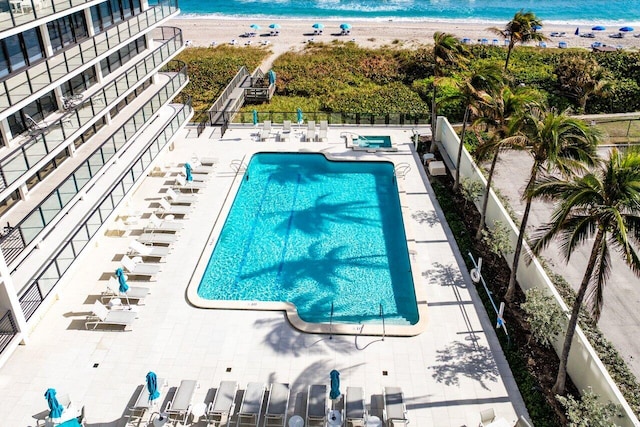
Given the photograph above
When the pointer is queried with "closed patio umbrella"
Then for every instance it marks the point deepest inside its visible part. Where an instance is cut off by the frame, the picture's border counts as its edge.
(255, 118)
(300, 116)
(122, 280)
(55, 407)
(187, 169)
(272, 77)
(335, 384)
(152, 386)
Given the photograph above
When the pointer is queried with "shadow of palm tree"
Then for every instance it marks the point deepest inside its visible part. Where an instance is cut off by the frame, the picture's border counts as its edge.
(422, 217)
(445, 275)
(465, 360)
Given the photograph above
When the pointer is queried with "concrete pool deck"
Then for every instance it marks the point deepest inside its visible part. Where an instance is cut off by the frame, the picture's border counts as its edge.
(448, 373)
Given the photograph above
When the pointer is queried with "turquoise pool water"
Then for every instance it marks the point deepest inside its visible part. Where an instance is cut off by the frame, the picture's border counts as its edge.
(314, 232)
(373, 141)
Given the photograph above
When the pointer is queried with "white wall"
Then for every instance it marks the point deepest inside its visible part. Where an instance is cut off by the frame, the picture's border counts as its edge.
(584, 366)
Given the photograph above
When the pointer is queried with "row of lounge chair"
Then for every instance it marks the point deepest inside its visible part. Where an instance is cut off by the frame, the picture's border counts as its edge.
(284, 135)
(144, 254)
(221, 409)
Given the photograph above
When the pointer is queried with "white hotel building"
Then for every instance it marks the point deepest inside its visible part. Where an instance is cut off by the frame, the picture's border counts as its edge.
(89, 96)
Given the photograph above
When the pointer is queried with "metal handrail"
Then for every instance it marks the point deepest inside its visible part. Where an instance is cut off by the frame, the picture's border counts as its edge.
(8, 330)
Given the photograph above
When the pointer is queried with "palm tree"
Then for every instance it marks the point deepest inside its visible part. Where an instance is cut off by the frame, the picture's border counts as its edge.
(581, 77)
(603, 205)
(521, 29)
(447, 50)
(486, 78)
(557, 143)
(497, 111)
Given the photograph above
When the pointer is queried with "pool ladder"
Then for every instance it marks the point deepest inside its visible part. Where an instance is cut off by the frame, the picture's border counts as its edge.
(237, 166)
(354, 136)
(401, 170)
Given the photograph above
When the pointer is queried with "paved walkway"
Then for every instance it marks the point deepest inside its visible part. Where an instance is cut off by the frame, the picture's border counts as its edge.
(448, 373)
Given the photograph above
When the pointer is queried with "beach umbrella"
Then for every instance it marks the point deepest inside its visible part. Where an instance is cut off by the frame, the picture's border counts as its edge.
(122, 280)
(255, 27)
(598, 28)
(274, 26)
(345, 26)
(300, 116)
(255, 118)
(187, 169)
(335, 384)
(318, 26)
(152, 386)
(272, 77)
(577, 32)
(537, 27)
(626, 29)
(55, 406)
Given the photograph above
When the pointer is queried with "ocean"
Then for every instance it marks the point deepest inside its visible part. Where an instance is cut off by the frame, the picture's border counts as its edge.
(552, 11)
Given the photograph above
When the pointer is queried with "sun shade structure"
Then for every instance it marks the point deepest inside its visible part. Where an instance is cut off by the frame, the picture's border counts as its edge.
(318, 26)
(598, 28)
(626, 29)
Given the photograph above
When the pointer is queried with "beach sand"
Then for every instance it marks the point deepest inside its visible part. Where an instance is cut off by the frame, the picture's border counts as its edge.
(294, 34)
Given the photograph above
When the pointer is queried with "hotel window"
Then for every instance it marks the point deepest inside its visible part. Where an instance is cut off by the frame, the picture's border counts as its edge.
(111, 12)
(79, 83)
(11, 200)
(38, 110)
(117, 59)
(67, 30)
(20, 50)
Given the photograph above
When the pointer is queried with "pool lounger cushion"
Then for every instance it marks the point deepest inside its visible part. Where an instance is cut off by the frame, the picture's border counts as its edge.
(142, 402)
(394, 407)
(277, 405)
(139, 269)
(180, 406)
(316, 405)
(221, 409)
(354, 406)
(157, 238)
(251, 405)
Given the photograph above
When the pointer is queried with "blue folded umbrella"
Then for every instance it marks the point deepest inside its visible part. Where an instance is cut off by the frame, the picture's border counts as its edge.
(55, 406)
(335, 384)
(318, 26)
(345, 26)
(187, 168)
(255, 117)
(300, 116)
(124, 287)
(272, 77)
(152, 386)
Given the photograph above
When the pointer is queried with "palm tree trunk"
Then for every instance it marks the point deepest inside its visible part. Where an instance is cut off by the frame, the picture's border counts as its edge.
(506, 63)
(434, 118)
(558, 387)
(487, 190)
(511, 289)
(459, 158)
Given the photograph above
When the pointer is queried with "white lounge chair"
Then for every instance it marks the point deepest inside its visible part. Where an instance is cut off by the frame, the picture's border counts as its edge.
(395, 411)
(286, 131)
(180, 199)
(487, 416)
(207, 161)
(140, 268)
(182, 184)
(354, 407)
(157, 225)
(137, 293)
(251, 405)
(167, 208)
(322, 132)
(164, 239)
(139, 249)
(221, 409)
(277, 405)
(311, 130)
(143, 403)
(317, 408)
(265, 133)
(103, 316)
(200, 168)
(179, 407)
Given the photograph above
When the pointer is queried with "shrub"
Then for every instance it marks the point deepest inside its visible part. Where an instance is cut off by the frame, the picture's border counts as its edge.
(498, 239)
(588, 411)
(544, 316)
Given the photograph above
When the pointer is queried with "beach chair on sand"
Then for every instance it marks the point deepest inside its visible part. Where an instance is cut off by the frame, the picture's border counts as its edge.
(136, 293)
(147, 251)
(394, 413)
(355, 410)
(311, 130)
(322, 131)
(251, 405)
(265, 133)
(277, 405)
(221, 409)
(140, 268)
(179, 407)
(317, 408)
(143, 403)
(103, 316)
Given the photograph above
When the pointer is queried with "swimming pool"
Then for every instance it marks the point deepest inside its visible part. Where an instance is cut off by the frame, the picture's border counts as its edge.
(316, 233)
(373, 141)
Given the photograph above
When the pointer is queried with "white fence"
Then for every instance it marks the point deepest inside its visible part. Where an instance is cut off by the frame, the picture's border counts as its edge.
(584, 365)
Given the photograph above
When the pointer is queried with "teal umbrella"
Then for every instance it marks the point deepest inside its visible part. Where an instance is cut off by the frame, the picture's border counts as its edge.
(255, 118)
(255, 27)
(272, 77)
(55, 406)
(187, 168)
(318, 26)
(274, 26)
(152, 386)
(300, 116)
(335, 384)
(122, 280)
(345, 26)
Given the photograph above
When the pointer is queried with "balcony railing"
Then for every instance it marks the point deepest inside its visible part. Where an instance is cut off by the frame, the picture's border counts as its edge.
(21, 160)
(8, 330)
(48, 276)
(16, 240)
(73, 60)
(333, 118)
(18, 12)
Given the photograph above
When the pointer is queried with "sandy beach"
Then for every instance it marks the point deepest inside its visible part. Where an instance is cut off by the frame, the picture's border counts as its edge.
(294, 34)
